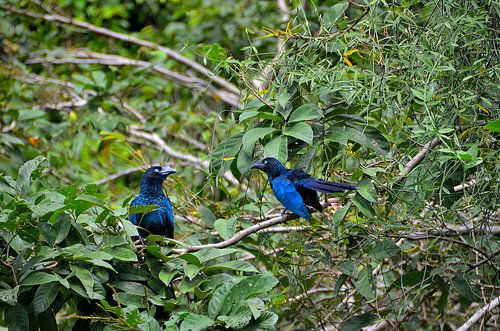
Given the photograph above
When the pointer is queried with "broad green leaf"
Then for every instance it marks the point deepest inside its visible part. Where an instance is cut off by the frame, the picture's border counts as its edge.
(24, 174)
(364, 206)
(411, 278)
(85, 278)
(465, 289)
(215, 53)
(191, 270)
(17, 318)
(251, 136)
(38, 277)
(99, 79)
(209, 254)
(305, 112)
(44, 296)
(277, 148)
(195, 322)
(493, 126)
(334, 13)
(258, 114)
(167, 276)
(238, 319)
(9, 295)
(233, 265)
(218, 298)
(225, 228)
(384, 249)
(365, 284)
(300, 131)
(228, 148)
(266, 321)
(206, 216)
(121, 253)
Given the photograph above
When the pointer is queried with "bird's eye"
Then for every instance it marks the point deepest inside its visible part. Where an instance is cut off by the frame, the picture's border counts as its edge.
(265, 162)
(157, 170)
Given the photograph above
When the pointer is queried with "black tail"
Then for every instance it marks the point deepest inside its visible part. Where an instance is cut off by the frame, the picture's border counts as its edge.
(328, 187)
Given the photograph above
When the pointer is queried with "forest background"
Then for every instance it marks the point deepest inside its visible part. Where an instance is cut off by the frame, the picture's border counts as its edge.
(397, 97)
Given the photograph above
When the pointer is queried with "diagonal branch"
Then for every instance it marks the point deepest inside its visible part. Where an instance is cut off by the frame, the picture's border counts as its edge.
(238, 236)
(160, 143)
(83, 56)
(127, 38)
(479, 314)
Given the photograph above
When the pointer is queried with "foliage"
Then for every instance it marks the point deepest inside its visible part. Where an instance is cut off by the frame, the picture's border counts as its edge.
(357, 90)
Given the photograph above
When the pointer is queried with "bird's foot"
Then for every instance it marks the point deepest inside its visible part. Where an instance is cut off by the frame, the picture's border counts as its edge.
(139, 244)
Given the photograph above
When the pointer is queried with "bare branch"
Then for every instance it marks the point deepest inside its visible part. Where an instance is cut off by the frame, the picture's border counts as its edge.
(120, 174)
(306, 294)
(238, 236)
(479, 314)
(463, 186)
(127, 38)
(83, 56)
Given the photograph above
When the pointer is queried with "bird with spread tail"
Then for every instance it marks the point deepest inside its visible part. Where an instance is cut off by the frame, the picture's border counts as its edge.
(161, 220)
(296, 189)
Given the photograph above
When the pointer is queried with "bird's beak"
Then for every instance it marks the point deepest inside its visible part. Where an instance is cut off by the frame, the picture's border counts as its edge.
(167, 171)
(257, 165)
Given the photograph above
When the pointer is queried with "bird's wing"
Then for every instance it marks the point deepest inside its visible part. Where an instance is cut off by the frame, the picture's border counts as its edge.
(287, 194)
(167, 215)
(303, 180)
(310, 197)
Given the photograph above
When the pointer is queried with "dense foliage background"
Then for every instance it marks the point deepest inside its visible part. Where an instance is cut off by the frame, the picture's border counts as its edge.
(397, 97)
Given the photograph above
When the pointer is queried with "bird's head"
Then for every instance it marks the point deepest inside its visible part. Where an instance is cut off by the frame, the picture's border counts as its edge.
(154, 177)
(271, 166)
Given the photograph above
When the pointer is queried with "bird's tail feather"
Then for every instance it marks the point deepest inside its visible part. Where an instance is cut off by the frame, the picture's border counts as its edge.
(328, 187)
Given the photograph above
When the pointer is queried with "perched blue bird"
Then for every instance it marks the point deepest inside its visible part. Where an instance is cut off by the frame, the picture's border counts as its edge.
(295, 189)
(159, 221)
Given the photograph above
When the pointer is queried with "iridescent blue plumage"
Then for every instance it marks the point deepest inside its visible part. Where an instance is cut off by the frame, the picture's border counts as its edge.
(295, 189)
(159, 221)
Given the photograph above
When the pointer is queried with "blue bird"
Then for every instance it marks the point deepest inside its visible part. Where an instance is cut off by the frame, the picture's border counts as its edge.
(159, 221)
(295, 189)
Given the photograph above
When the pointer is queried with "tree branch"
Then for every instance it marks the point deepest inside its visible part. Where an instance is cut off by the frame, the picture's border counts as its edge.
(127, 38)
(238, 236)
(479, 314)
(162, 145)
(83, 56)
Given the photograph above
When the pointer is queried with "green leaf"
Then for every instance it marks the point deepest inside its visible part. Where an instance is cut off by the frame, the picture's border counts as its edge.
(251, 136)
(365, 284)
(364, 206)
(87, 281)
(305, 112)
(266, 321)
(357, 322)
(38, 277)
(233, 265)
(493, 126)
(208, 254)
(277, 148)
(191, 271)
(225, 228)
(99, 79)
(44, 296)
(195, 322)
(465, 289)
(224, 154)
(24, 174)
(17, 318)
(300, 131)
(206, 216)
(167, 276)
(334, 13)
(9, 295)
(84, 80)
(384, 250)
(121, 253)
(411, 278)
(215, 53)
(218, 298)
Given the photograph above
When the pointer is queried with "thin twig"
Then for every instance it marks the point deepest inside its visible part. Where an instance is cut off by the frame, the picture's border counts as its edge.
(479, 314)
(115, 176)
(162, 145)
